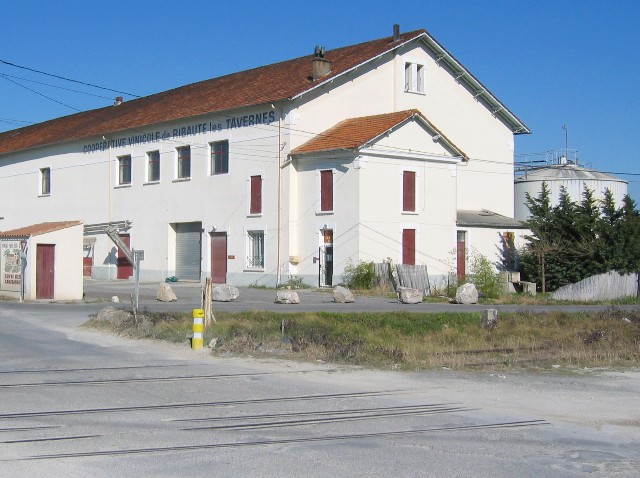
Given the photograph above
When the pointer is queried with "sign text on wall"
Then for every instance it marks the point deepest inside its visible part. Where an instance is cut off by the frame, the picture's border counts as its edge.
(231, 122)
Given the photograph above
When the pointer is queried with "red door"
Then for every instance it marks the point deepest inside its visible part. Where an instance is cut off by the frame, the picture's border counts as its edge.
(125, 268)
(219, 257)
(45, 266)
(409, 246)
(461, 254)
(87, 266)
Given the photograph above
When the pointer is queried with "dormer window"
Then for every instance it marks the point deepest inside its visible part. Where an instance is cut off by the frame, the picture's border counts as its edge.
(414, 77)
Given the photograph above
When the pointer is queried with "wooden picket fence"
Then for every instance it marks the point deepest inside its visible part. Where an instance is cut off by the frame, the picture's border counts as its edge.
(402, 275)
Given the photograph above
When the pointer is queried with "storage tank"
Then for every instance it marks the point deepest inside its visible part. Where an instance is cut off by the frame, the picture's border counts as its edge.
(570, 175)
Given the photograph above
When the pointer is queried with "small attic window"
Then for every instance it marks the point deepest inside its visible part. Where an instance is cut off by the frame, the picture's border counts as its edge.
(413, 77)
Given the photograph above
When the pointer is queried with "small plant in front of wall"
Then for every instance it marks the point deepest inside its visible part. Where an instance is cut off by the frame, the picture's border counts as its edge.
(255, 285)
(296, 282)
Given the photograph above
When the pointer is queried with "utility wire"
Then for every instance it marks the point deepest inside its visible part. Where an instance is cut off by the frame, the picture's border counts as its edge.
(38, 93)
(55, 86)
(68, 79)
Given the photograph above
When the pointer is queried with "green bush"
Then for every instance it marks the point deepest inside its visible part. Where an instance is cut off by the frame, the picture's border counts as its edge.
(484, 275)
(360, 276)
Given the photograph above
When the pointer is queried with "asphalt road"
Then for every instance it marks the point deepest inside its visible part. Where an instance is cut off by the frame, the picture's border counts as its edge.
(76, 402)
(189, 297)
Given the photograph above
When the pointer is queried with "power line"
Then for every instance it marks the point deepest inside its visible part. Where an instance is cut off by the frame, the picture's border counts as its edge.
(55, 86)
(68, 79)
(40, 94)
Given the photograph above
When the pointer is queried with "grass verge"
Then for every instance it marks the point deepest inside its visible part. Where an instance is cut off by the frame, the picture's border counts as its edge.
(411, 341)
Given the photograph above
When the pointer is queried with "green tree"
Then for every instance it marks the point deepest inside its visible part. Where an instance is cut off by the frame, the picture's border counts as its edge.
(572, 241)
(542, 241)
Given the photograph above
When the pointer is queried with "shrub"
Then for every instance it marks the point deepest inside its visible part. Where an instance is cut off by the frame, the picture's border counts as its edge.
(360, 276)
(484, 276)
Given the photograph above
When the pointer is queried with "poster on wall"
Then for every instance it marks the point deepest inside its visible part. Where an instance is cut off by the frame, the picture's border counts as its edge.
(10, 266)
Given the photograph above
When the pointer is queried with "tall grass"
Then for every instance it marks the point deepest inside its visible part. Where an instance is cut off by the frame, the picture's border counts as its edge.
(417, 340)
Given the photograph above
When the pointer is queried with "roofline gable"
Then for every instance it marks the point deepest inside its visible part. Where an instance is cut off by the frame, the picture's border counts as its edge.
(496, 107)
(462, 74)
(403, 117)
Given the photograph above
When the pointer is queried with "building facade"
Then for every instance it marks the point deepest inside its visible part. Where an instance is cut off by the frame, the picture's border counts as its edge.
(366, 152)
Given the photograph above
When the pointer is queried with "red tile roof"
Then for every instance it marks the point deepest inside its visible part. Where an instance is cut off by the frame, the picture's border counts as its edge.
(38, 229)
(355, 133)
(263, 85)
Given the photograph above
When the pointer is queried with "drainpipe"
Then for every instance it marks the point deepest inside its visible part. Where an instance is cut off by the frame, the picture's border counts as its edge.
(279, 255)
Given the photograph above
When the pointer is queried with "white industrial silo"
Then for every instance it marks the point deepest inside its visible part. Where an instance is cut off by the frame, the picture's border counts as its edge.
(563, 173)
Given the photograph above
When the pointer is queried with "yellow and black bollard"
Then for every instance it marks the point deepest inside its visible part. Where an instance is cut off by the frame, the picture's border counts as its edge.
(198, 329)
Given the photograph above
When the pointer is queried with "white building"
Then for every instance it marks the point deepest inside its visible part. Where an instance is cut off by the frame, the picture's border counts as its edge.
(385, 149)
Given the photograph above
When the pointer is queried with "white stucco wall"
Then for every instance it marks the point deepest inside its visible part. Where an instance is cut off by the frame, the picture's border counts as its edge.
(68, 283)
(84, 184)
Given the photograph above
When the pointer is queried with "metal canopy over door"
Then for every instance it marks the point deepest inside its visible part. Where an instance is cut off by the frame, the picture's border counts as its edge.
(45, 267)
(219, 257)
(188, 250)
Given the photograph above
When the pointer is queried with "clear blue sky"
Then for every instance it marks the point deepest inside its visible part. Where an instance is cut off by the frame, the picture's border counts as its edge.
(552, 62)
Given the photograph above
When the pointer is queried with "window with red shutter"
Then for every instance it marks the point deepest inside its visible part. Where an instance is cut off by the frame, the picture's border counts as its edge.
(409, 246)
(326, 190)
(256, 195)
(409, 191)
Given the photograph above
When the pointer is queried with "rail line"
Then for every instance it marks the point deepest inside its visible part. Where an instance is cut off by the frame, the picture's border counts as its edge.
(267, 442)
(154, 379)
(332, 396)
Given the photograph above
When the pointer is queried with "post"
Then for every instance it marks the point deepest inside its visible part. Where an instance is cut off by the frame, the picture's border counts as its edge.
(137, 257)
(198, 329)
(23, 267)
(207, 305)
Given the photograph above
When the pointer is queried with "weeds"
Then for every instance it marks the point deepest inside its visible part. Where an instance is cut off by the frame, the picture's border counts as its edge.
(412, 340)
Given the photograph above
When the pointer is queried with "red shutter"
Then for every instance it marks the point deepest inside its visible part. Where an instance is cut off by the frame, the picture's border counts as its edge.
(326, 190)
(256, 195)
(408, 191)
(409, 246)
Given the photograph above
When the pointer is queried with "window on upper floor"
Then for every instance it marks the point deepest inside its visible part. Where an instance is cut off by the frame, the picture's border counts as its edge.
(184, 162)
(153, 166)
(45, 181)
(255, 249)
(124, 170)
(408, 191)
(219, 157)
(255, 203)
(414, 77)
(326, 190)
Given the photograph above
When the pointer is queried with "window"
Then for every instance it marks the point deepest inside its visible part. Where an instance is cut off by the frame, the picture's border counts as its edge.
(255, 206)
(45, 181)
(326, 190)
(409, 246)
(219, 157)
(153, 166)
(255, 249)
(414, 77)
(124, 170)
(408, 191)
(184, 162)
